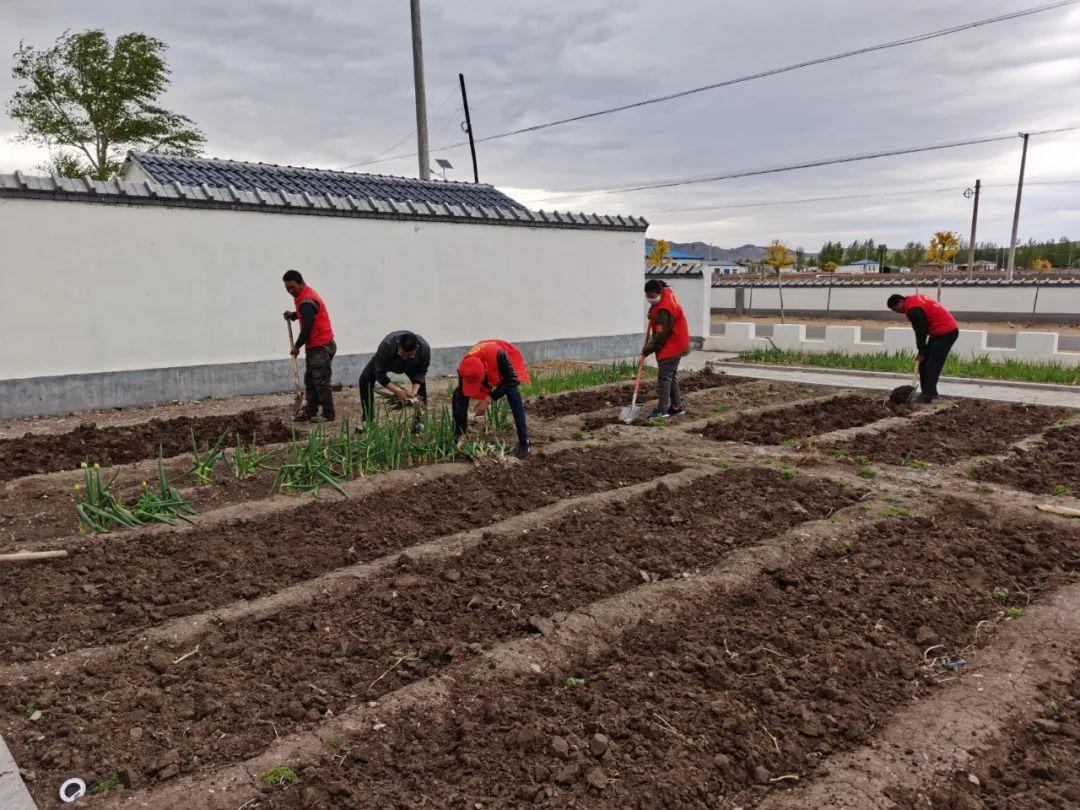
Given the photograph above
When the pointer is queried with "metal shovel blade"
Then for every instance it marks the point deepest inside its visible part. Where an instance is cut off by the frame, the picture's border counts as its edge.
(903, 394)
(629, 413)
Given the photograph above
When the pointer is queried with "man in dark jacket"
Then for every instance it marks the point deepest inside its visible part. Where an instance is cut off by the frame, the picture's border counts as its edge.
(400, 352)
(935, 333)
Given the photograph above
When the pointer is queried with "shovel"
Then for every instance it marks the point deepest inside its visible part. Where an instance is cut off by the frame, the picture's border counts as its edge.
(629, 413)
(904, 394)
(298, 400)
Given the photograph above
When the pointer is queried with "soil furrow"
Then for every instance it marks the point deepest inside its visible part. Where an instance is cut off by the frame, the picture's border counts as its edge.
(968, 428)
(105, 591)
(748, 687)
(788, 425)
(37, 453)
(352, 648)
(1048, 467)
(1012, 724)
(594, 399)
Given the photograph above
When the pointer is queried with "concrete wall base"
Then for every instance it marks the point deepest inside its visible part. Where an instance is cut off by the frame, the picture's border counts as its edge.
(884, 315)
(46, 396)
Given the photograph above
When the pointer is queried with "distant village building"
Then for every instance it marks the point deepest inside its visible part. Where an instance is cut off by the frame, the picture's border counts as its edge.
(981, 266)
(859, 267)
(726, 268)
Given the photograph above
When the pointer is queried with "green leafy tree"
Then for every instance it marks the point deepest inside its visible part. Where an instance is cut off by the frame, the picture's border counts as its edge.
(912, 254)
(88, 100)
(800, 257)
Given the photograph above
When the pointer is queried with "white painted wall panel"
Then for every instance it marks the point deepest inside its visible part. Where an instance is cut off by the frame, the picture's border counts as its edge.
(95, 287)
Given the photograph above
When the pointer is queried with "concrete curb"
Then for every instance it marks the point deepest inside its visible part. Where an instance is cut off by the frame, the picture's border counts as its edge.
(13, 793)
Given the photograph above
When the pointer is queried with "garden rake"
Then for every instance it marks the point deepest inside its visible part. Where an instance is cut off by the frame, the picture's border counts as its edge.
(298, 400)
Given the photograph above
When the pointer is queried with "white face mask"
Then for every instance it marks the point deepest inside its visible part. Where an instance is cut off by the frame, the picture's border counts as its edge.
(652, 301)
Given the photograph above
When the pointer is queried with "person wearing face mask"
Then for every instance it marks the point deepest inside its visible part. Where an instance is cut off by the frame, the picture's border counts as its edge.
(669, 340)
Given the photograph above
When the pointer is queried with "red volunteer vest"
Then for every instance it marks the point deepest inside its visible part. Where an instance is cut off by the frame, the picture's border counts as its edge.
(487, 352)
(321, 331)
(679, 339)
(939, 320)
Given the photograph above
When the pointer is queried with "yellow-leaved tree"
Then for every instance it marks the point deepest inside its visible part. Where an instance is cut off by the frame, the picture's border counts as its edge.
(943, 247)
(830, 267)
(778, 256)
(1041, 265)
(660, 253)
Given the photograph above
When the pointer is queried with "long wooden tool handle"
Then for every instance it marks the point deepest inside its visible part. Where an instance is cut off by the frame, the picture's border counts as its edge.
(295, 367)
(25, 556)
(637, 382)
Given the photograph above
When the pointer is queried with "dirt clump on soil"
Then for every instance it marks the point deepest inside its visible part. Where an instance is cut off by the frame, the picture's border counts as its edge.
(397, 629)
(792, 424)
(1052, 463)
(1035, 764)
(744, 687)
(44, 453)
(114, 585)
(555, 405)
(967, 428)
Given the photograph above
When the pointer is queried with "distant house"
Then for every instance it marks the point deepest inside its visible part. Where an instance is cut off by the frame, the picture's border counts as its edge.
(860, 266)
(676, 255)
(726, 268)
(981, 266)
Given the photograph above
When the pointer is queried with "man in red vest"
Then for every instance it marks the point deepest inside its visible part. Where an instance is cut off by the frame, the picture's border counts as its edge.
(935, 333)
(669, 340)
(317, 336)
(491, 369)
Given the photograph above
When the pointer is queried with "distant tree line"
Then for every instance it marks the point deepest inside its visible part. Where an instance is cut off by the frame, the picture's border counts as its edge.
(1060, 253)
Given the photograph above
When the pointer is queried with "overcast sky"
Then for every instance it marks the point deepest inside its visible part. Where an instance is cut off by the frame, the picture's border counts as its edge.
(328, 83)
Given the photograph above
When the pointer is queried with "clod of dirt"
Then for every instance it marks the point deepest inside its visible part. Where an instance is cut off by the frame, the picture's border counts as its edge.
(792, 424)
(541, 625)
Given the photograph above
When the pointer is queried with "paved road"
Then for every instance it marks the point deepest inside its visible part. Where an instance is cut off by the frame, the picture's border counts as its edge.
(886, 382)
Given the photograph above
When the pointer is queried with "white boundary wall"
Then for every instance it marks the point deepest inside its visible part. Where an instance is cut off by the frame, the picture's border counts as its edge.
(1037, 347)
(990, 299)
(97, 287)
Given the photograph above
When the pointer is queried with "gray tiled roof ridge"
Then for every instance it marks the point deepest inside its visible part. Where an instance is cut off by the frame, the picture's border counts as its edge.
(175, 194)
(228, 162)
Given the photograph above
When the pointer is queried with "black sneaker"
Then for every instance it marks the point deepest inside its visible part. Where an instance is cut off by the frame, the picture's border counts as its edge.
(329, 417)
(523, 451)
(680, 411)
(301, 416)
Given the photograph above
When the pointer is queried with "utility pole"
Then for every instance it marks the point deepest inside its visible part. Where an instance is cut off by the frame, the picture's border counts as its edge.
(421, 99)
(974, 220)
(1016, 212)
(468, 127)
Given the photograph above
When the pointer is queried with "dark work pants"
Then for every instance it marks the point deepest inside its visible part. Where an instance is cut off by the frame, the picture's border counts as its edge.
(317, 374)
(937, 349)
(367, 390)
(459, 406)
(668, 384)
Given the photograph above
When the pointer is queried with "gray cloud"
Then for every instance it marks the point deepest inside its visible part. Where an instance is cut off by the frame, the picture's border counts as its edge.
(330, 83)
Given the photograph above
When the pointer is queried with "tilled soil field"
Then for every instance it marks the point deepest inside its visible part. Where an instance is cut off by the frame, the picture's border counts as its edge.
(963, 429)
(1036, 765)
(1053, 467)
(116, 585)
(43, 453)
(424, 615)
(649, 619)
(799, 422)
(594, 399)
(710, 711)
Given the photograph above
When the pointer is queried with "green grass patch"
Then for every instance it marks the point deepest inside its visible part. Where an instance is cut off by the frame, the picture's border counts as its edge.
(902, 362)
(105, 786)
(281, 775)
(555, 382)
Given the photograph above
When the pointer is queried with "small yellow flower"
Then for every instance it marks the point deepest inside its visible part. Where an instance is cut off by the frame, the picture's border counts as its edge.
(84, 465)
(97, 466)
(77, 487)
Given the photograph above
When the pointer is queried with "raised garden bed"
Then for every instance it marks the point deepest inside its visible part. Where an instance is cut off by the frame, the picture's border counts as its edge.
(788, 425)
(1052, 467)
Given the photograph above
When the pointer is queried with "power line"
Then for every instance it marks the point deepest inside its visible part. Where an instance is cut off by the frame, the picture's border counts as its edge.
(378, 158)
(867, 195)
(687, 181)
(896, 43)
